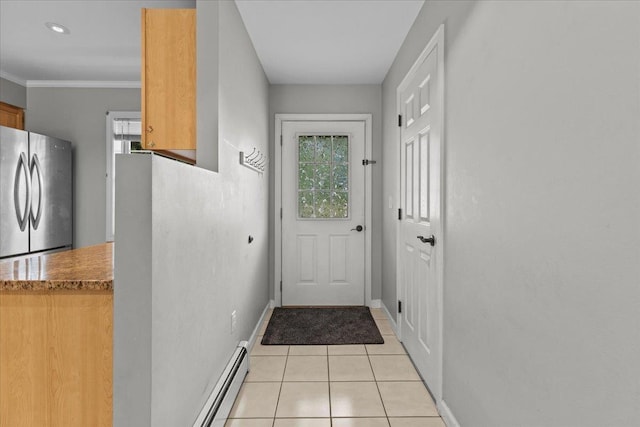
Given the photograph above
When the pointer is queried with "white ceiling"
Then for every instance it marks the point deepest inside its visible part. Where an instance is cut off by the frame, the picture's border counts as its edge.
(327, 41)
(104, 44)
(297, 41)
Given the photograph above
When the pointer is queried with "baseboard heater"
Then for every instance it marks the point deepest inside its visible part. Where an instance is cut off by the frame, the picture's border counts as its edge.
(220, 401)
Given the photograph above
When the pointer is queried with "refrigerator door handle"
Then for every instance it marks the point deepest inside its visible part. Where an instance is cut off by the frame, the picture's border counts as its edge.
(35, 164)
(23, 219)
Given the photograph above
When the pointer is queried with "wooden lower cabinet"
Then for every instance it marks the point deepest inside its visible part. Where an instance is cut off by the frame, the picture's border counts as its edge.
(56, 358)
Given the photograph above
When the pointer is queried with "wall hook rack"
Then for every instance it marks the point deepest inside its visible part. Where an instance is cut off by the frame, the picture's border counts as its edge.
(255, 160)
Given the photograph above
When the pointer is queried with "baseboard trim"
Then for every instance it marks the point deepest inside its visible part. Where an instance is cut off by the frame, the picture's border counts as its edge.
(447, 415)
(375, 303)
(392, 322)
(254, 334)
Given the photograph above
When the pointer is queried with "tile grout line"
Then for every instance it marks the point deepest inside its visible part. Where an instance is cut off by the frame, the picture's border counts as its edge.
(329, 388)
(379, 394)
(377, 387)
(275, 412)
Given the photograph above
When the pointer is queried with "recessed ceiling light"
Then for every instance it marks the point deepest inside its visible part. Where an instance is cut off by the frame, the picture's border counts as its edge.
(57, 28)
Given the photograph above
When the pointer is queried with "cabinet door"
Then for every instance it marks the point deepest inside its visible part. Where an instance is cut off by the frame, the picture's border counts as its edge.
(169, 79)
(24, 376)
(11, 116)
(56, 358)
(80, 358)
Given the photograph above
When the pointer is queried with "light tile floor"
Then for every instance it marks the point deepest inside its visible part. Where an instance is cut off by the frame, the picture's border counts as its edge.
(334, 386)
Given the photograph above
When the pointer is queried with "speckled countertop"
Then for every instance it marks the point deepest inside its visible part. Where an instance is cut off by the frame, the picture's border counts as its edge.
(89, 269)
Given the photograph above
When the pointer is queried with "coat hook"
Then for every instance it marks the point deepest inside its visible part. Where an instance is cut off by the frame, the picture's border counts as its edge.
(255, 160)
(251, 156)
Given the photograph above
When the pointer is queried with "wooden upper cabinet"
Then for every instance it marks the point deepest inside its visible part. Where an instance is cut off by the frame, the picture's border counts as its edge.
(11, 116)
(169, 79)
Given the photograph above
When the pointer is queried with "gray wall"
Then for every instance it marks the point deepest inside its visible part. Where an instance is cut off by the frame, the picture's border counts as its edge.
(244, 197)
(13, 93)
(78, 115)
(208, 44)
(541, 236)
(334, 99)
(173, 303)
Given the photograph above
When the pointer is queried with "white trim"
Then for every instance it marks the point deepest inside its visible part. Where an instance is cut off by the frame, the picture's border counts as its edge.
(112, 115)
(277, 209)
(97, 84)
(254, 334)
(392, 322)
(376, 303)
(84, 84)
(277, 167)
(447, 415)
(437, 40)
(368, 201)
(14, 79)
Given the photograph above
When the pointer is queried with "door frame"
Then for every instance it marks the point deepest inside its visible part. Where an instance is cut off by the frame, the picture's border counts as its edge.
(111, 117)
(437, 40)
(277, 205)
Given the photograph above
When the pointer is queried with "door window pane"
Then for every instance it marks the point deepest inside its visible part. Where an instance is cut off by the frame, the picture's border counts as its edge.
(323, 149)
(323, 204)
(340, 204)
(306, 176)
(340, 177)
(307, 149)
(340, 149)
(305, 204)
(323, 176)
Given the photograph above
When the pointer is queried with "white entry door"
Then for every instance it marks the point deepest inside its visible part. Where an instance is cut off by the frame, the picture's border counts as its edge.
(323, 213)
(419, 230)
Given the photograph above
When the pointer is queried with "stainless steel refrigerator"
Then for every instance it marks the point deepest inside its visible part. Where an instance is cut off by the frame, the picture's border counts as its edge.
(36, 208)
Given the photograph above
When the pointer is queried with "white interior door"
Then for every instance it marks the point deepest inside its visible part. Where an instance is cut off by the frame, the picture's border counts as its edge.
(323, 213)
(419, 230)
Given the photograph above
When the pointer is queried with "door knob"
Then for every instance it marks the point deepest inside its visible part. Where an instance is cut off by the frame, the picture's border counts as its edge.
(430, 240)
(358, 228)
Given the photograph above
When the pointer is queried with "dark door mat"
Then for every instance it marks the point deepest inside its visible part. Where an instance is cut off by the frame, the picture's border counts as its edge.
(321, 326)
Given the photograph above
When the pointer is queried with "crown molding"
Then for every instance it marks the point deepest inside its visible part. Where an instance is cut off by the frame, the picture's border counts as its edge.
(84, 84)
(12, 78)
(95, 84)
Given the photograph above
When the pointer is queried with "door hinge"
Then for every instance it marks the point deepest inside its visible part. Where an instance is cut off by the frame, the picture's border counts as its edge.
(400, 214)
(399, 120)
(399, 307)
(367, 162)
(281, 286)
(281, 140)
(280, 213)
